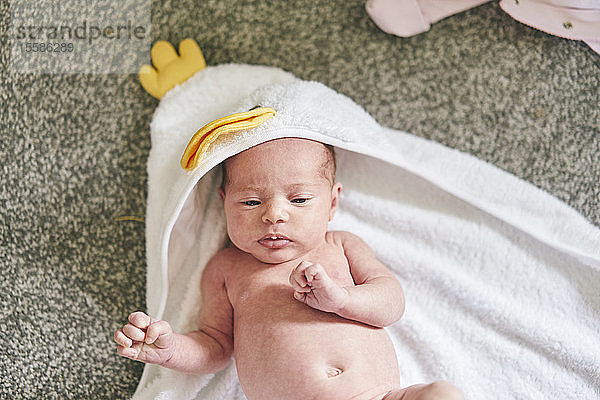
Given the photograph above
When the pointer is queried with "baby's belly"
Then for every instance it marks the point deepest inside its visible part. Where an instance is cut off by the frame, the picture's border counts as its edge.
(287, 350)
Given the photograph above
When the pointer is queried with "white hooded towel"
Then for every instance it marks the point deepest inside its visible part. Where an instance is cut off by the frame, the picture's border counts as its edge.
(501, 279)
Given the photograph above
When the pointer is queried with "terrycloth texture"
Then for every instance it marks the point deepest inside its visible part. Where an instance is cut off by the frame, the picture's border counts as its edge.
(500, 277)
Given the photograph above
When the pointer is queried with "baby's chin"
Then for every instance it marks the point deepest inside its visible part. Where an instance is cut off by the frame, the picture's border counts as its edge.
(275, 257)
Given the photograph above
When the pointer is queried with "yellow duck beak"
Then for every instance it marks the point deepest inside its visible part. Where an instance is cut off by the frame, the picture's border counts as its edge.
(205, 136)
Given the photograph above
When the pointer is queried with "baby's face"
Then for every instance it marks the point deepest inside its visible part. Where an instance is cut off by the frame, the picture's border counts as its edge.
(277, 199)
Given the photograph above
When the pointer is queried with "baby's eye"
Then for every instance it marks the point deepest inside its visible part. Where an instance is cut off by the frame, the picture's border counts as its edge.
(251, 203)
(300, 200)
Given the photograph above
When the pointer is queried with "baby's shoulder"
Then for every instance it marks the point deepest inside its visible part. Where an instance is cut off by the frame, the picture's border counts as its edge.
(223, 260)
(352, 244)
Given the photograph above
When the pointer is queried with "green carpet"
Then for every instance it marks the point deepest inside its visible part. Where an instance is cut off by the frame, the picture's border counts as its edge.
(73, 154)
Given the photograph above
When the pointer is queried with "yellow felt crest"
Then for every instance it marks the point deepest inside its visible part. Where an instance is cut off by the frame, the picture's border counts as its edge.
(205, 136)
(169, 68)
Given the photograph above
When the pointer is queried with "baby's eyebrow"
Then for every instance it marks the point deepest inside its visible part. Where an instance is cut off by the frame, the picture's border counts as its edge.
(250, 189)
(298, 186)
(292, 187)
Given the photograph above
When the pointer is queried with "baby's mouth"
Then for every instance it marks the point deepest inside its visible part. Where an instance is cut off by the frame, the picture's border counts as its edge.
(274, 241)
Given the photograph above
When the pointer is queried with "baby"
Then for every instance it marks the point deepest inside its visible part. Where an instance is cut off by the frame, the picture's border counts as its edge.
(301, 309)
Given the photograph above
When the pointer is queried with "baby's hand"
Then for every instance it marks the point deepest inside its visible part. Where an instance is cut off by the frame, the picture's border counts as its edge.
(315, 288)
(145, 339)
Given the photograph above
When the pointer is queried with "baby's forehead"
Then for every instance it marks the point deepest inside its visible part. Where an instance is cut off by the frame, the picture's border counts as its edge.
(285, 144)
(290, 157)
(290, 148)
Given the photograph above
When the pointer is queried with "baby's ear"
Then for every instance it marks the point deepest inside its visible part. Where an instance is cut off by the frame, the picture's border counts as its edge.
(336, 191)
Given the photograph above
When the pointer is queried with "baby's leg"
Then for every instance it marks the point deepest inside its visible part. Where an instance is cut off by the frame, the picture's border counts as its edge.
(439, 390)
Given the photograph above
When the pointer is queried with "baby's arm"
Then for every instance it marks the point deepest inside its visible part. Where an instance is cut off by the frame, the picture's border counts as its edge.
(376, 298)
(202, 351)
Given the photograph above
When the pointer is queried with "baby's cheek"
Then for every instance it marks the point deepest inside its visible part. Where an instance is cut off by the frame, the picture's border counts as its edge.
(319, 225)
(233, 225)
(236, 237)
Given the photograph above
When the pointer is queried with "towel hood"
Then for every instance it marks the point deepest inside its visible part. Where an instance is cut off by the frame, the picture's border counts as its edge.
(303, 109)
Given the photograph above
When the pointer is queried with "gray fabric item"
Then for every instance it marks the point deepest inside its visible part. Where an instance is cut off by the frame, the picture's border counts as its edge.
(74, 150)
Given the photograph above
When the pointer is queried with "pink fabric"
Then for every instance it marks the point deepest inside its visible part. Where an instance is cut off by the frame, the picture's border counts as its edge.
(570, 19)
(410, 17)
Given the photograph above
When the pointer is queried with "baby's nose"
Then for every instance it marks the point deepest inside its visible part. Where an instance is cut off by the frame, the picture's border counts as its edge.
(275, 213)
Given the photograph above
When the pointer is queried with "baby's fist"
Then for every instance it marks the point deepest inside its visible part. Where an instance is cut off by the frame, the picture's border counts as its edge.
(313, 287)
(145, 339)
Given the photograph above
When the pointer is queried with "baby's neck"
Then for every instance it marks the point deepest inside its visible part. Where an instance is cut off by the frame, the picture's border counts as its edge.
(294, 261)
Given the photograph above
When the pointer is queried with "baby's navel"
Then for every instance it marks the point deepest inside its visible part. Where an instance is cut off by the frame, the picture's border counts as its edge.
(332, 371)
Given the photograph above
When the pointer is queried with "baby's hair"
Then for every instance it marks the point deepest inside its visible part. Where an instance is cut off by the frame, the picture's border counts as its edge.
(328, 168)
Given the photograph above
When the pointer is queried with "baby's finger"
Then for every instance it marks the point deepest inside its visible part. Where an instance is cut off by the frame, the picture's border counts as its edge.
(134, 333)
(128, 352)
(300, 296)
(156, 330)
(297, 273)
(301, 289)
(298, 282)
(303, 265)
(313, 272)
(140, 320)
(122, 339)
